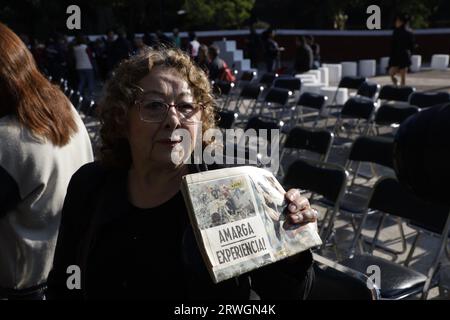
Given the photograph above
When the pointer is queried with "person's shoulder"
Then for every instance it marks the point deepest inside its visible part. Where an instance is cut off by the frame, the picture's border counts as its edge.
(90, 175)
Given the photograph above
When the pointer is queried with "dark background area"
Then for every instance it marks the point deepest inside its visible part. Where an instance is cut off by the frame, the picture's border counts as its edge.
(38, 18)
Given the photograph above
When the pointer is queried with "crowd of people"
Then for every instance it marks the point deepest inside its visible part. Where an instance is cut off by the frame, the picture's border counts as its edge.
(85, 61)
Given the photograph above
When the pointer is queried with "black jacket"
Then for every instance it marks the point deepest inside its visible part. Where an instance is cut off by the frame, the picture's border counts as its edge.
(97, 196)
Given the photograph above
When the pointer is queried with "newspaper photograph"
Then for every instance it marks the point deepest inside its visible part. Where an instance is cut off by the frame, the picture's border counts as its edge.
(239, 214)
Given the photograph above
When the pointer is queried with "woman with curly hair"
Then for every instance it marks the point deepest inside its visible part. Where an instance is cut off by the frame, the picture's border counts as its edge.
(125, 224)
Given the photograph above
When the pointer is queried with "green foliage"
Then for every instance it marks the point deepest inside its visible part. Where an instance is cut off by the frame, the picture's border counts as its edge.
(217, 14)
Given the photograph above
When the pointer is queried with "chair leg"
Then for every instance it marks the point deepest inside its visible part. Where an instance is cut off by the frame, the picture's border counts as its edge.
(437, 259)
(358, 235)
(413, 248)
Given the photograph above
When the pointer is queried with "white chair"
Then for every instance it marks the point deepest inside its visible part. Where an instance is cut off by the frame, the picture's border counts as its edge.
(311, 87)
(316, 73)
(384, 62)
(416, 63)
(341, 97)
(349, 68)
(334, 73)
(307, 78)
(439, 61)
(367, 68)
(324, 75)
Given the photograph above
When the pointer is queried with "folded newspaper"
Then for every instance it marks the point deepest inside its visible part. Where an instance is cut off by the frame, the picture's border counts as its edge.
(238, 217)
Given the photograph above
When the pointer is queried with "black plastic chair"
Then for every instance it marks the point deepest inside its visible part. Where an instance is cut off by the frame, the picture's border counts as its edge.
(226, 119)
(276, 101)
(257, 124)
(359, 109)
(248, 98)
(326, 179)
(314, 101)
(317, 141)
(388, 114)
(397, 281)
(267, 79)
(222, 90)
(289, 83)
(368, 90)
(348, 82)
(428, 99)
(393, 93)
(333, 281)
(301, 139)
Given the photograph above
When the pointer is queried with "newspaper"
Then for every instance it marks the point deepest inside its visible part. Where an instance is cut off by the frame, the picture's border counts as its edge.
(238, 216)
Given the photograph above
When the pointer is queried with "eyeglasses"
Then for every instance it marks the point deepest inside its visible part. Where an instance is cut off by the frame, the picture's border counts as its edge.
(156, 111)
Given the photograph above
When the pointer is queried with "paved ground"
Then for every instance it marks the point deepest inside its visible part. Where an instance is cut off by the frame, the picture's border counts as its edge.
(390, 236)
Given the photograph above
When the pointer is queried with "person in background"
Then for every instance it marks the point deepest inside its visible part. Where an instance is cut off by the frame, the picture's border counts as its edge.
(139, 45)
(176, 39)
(401, 49)
(315, 50)
(253, 47)
(271, 50)
(121, 48)
(163, 39)
(303, 56)
(194, 45)
(203, 58)
(84, 65)
(216, 64)
(43, 142)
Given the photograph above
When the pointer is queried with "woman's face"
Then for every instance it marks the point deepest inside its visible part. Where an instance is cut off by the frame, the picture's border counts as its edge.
(154, 143)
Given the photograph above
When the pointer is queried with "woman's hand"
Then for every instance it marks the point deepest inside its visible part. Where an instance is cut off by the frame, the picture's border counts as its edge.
(299, 211)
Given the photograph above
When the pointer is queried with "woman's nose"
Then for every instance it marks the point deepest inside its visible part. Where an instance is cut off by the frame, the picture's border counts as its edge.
(172, 120)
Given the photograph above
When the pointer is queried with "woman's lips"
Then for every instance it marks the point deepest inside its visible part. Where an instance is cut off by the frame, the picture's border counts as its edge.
(170, 142)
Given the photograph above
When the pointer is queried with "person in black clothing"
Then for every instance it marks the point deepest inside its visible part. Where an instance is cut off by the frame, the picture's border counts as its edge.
(303, 56)
(253, 47)
(271, 49)
(315, 50)
(402, 47)
(124, 221)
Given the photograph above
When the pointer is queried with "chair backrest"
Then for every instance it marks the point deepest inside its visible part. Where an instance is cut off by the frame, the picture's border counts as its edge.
(266, 123)
(247, 76)
(226, 119)
(318, 141)
(329, 281)
(350, 82)
(368, 89)
(378, 150)
(326, 179)
(312, 100)
(391, 197)
(290, 83)
(390, 114)
(278, 95)
(358, 108)
(428, 99)
(222, 87)
(251, 91)
(267, 79)
(393, 93)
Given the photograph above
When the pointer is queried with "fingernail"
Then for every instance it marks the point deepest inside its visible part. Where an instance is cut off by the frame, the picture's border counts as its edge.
(292, 207)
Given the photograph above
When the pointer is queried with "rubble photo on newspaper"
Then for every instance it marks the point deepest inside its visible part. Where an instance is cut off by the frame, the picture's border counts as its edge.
(238, 216)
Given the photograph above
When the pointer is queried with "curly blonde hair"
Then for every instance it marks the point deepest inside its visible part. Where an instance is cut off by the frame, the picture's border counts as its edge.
(122, 90)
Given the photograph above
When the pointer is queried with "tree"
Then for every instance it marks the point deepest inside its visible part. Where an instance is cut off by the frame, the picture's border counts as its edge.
(217, 14)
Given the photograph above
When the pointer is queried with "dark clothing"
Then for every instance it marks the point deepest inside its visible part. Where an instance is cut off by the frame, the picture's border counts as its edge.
(303, 59)
(125, 252)
(402, 47)
(271, 50)
(216, 67)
